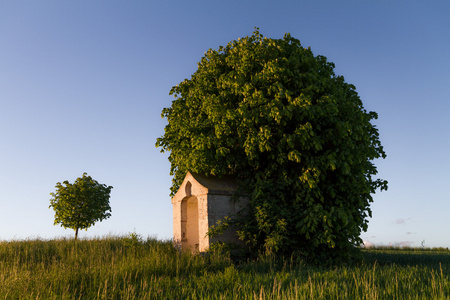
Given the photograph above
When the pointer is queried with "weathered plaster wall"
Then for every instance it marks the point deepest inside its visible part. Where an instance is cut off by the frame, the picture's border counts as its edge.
(220, 206)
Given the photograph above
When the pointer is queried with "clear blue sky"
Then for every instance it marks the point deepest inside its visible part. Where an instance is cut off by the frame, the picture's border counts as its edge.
(83, 83)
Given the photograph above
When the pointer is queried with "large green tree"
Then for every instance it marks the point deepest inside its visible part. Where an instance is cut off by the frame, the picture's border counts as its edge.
(294, 133)
(81, 204)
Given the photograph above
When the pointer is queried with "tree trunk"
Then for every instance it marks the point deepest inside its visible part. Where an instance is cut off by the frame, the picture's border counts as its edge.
(76, 234)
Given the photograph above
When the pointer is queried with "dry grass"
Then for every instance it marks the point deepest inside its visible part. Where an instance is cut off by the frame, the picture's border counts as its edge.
(132, 268)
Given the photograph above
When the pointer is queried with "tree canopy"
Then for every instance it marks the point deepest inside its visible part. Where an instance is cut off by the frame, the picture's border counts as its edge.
(295, 134)
(81, 204)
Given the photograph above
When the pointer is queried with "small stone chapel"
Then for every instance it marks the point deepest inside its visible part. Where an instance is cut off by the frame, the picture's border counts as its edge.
(199, 203)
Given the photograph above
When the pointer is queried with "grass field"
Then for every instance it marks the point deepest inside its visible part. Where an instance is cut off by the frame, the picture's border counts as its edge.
(130, 267)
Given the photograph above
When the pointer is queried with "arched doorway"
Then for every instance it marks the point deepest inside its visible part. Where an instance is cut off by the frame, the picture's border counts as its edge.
(189, 223)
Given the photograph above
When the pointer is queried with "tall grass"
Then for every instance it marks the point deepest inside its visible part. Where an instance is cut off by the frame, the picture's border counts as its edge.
(130, 267)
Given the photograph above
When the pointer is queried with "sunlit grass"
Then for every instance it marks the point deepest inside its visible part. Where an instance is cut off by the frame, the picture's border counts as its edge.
(130, 267)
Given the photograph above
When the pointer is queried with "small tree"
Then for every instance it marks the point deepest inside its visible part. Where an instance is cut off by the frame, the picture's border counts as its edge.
(295, 134)
(81, 204)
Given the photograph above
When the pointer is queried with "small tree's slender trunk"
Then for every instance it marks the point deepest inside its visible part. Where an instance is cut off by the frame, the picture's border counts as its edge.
(78, 226)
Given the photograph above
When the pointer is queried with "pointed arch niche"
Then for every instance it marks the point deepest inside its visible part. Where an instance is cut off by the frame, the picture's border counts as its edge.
(189, 220)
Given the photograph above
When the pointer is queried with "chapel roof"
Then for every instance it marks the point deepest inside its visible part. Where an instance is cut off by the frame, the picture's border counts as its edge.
(216, 184)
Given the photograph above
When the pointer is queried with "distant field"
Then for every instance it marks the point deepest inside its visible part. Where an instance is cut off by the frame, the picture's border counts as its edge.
(133, 268)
